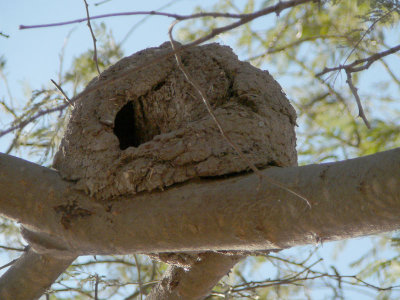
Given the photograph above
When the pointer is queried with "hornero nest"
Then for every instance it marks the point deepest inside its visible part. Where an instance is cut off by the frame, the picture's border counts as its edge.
(140, 126)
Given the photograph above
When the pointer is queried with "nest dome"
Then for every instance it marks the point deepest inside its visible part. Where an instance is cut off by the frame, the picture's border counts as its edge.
(141, 126)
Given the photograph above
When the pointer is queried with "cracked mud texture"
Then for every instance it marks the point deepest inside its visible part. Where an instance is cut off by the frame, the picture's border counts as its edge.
(150, 129)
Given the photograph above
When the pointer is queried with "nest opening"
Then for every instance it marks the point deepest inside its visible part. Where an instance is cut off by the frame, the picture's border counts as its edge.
(125, 128)
(133, 126)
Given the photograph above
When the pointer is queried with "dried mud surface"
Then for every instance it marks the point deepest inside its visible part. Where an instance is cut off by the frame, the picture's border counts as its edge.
(166, 135)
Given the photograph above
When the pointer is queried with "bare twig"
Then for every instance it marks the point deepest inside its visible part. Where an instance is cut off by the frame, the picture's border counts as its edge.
(355, 94)
(139, 277)
(135, 13)
(41, 113)
(4, 35)
(357, 66)
(365, 62)
(96, 285)
(12, 248)
(93, 37)
(245, 18)
(8, 264)
(273, 50)
(368, 31)
(142, 20)
(207, 103)
(218, 123)
(66, 98)
(101, 2)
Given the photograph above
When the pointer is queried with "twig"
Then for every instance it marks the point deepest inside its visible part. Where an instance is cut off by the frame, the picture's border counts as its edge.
(12, 248)
(101, 2)
(139, 277)
(34, 117)
(367, 62)
(9, 264)
(142, 20)
(273, 50)
(217, 122)
(4, 35)
(207, 103)
(135, 13)
(367, 31)
(277, 8)
(62, 92)
(359, 105)
(93, 37)
(96, 285)
(353, 68)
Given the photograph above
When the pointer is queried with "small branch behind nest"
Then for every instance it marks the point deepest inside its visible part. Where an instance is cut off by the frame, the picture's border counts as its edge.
(66, 98)
(359, 105)
(93, 37)
(217, 122)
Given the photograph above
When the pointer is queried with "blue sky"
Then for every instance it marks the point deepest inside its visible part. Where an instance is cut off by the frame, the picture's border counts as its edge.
(33, 55)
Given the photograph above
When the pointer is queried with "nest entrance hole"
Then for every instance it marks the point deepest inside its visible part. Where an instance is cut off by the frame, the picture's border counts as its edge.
(124, 127)
(132, 127)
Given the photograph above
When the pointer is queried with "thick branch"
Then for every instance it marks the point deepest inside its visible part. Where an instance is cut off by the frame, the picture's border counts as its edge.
(31, 276)
(196, 283)
(349, 198)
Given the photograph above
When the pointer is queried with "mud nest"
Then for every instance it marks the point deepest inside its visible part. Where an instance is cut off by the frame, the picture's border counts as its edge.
(139, 129)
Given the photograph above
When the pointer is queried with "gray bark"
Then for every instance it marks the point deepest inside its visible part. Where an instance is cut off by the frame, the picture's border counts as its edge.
(31, 275)
(349, 198)
(195, 283)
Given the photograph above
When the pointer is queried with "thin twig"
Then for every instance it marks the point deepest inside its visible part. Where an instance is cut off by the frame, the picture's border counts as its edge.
(4, 35)
(207, 103)
(367, 31)
(135, 13)
(217, 122)
(273, 50)
(12, 248)
(142, 20)
(139, 277)
(96, 287)
(101, 2)
(93, 37)
(9, 264)
(366, 62)
(41, 113)
(66, 98)
(277, 8)
(359, 105)
(353, 68)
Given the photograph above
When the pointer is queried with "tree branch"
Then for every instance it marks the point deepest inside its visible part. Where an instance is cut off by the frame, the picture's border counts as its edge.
(274, 8)
(31, 275)
(195, 283)
(93, 37)
(349, 199)
(353, 68)
(365, 62)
